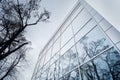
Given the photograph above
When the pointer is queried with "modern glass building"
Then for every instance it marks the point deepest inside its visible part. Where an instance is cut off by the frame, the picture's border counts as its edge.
(85, 47)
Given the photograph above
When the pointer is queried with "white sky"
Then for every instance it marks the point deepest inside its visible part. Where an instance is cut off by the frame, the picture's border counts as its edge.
(40, 34)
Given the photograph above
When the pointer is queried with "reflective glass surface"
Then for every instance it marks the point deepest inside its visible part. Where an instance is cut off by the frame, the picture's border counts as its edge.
(66, 36)
(86, 47)
(104, 67)
(91, 44)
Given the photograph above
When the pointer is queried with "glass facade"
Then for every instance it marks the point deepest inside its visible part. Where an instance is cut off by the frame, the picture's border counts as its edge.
(86, 47)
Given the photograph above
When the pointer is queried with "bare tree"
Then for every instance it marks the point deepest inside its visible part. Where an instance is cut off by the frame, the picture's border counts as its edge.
(9, 67)
(15, 17)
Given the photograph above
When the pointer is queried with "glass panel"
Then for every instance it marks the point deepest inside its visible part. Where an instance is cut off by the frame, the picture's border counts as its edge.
(80, 20)
(74, 75)
(105, 24)
(91, 44)
(67, 46)
(57, 69)
(48, 55)
(93, 12)
(90, 25)
(64, 62)
(98, 17)
(78, 10)
(36, 76)
(43, 72)
(66, 24)
(54, 58)
(65, 37)
(68, 61)
(46, 66)
(73, 58)
(44, 75)
(38, 73)
(104, 67)
(114, 34)
(51, 72)
(87, 6)
(118, 45)
(56, 47)
(60, 67)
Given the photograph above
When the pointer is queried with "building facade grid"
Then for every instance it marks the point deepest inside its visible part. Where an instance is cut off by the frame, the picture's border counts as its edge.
(85, 47)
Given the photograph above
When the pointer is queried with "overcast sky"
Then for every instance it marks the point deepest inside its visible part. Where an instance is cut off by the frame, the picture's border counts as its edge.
(40, 34)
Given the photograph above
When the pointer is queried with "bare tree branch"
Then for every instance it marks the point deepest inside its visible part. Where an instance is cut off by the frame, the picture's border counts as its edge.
(8, 53)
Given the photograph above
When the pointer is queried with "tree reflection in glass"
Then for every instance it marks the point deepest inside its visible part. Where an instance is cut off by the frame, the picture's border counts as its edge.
(91, 45)
(104, 67)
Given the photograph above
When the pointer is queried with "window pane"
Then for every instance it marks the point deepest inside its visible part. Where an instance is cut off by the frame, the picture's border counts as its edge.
(54, 58)
(73, 58)
(43, 72)
(48, 55)
(57, 69)
(93, 12)
(66, 36)
(65, 24)
(92, 44)
(68, 61)
(60, 67)
(78, 10)
(87, 6)
(114, 34)
(118, 45)
(67, 46)
(51, 72)
(74, 75)
(105, 24)
(54, 71)
(44, 75)
(80, 20)
(104, 67)
(56, 47)
(98, 17)
(90, 25)
(64, 62)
